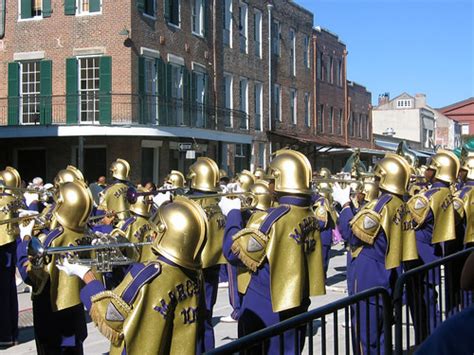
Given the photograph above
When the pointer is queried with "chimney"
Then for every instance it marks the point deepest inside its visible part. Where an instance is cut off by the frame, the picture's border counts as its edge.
(420, 100)
(384, 98)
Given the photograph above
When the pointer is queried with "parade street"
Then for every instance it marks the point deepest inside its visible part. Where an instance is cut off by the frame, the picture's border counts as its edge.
(225, 332)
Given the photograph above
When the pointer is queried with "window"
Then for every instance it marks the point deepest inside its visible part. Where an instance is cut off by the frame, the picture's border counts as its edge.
(89, 88)
(227, 20)
(339, 122)
(258, 33)
(330, 71)
(276, 38)
(198, 17)
(85, 7)
(320, 118)
(32, 9)
(306, 53)
(307, 110)
(277, 102)
(199, 88)
(464, 129)
(361, 125)
(177, 93)
(331, 121)
(258, 106)
(403, 103)
(367, 127)
(228, 100)
(292, 52)
(319, 66)
(351, 124)
(30, 92)
(242, 154)
(151, 89)
(243, 96)
(261, 155)
(427, 138)
(243, 27)
(293, 106)
(173, 12)
(339, 72)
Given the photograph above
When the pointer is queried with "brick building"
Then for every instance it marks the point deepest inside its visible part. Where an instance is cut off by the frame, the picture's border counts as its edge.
(463, 113)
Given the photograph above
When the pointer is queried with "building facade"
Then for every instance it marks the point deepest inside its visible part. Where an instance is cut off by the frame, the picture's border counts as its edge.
(463, 113)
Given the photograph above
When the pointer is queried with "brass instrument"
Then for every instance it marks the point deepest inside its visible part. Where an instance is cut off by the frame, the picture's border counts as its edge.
(334, 180)
(133, 194)
(36, 217)
(105, 251)
(44, 194)
(108, 214)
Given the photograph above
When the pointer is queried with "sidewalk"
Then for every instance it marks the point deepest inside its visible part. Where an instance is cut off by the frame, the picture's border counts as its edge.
(225, 332)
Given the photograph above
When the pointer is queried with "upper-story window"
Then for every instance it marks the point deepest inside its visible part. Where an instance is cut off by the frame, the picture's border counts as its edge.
(403, 103)
(331, 120)
(82, 7)
(198, 17)
(277, 102)
(328, 70)
(307, 109)
(331, 70)
(306, 53)
(320, 118)
(89, 88)
(149, 7)
(258, 33)
(35, 9)
(228, 94)
(292, 52)
(258, 94)
(244, 106)
(319, 66)
(339, 72)
(173, 12)
(276, 38)
(243, 27)
(30, 92)
(339, 121)
(294, 106)
(227, 21)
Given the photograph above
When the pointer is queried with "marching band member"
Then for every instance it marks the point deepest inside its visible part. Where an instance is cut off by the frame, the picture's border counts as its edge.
(378, 243)
(282, 248)
(464, 200)
(204, 179)
(9, 205)
(157, 309)
(58, 314)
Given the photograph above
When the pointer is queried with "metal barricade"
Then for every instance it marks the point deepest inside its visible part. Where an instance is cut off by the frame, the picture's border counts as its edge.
(425, 296)
(346, 310)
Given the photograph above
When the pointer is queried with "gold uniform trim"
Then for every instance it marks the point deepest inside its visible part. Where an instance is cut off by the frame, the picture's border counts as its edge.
(366, 225)
(419, 207)
(250, 246)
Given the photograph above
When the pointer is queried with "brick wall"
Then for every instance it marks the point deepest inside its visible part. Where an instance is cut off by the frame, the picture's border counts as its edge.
(360, 106)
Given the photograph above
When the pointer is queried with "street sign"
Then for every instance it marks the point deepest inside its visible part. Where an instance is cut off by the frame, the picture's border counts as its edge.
(185, 146)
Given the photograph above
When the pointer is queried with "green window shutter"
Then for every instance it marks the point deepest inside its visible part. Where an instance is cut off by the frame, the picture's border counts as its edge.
(26, 9)
(46, 8)
(71, 91)
(105, 90)
(141, 90)
(206, 10)
(206, 101)
(187, 96)
(70, 7)
(94, 5)
(162, 108)
(13, 93)
(46, 90)
(167, 9)
(141, 5)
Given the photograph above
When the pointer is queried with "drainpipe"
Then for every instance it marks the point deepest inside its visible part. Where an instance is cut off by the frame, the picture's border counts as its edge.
(270, 7)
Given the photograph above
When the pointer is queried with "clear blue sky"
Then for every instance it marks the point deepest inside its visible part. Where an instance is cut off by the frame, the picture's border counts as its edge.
(424, 46)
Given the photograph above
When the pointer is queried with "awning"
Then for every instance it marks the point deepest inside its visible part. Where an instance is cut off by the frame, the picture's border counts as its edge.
(392, 146)
(319, 141)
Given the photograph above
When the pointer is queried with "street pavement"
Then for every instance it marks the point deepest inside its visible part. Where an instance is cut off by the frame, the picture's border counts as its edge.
(225, 332)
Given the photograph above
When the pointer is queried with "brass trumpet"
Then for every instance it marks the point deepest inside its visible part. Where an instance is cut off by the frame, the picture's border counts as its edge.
(108, 214)
(334, 180)
(133, 194)
(249, 199)
(48, 193)
(104, 254)
(36, 217)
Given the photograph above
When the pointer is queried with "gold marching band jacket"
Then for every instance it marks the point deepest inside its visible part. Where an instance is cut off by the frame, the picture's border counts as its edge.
(463, 204)
(9, 205)
(390, 214)
(324, 210)
(289, 239)
(138, 230)
(114, 198)
(165, 302)
(440, 202)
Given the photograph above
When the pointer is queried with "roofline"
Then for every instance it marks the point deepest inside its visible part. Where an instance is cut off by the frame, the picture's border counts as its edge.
(457, 104)
(329, 32)
(298, 6)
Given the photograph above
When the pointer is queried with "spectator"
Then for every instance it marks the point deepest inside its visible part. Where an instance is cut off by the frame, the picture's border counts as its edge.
(97, 187)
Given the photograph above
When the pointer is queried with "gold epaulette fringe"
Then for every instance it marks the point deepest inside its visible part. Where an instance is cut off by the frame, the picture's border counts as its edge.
(365, 237)
(245, 259)
(97, 317)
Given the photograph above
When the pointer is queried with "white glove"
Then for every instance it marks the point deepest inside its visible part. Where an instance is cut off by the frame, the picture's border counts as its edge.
(341, 195)
(73, 269)
(228, 204)
(28, 228)
(30, 197)
(161, 198)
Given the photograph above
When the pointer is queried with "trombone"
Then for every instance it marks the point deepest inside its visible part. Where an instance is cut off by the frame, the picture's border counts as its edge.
(105, 254)
(249, 199)
(36, 217)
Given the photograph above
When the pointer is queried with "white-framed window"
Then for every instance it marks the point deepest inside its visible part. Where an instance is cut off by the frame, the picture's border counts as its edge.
(307, 52)
(88, 7)
(403, 103)
(30, 10)
(328, 70)
(292, 52)
(243, 27)
(258, 33)
(331, 120)
(261, 155)
(177, 93)
(361, 125)
(427, 138)
(331, 70)
(464, 129)
(339, 72)
(244, 104)
(228, 100)
(200, 84)
(198, 17)
(307, 109)
(294, 106)
(30, 92)
(319, 65)
(258, 97)
(173, 12)
(277, 102)
(227, 21)
(151, 88)
(339, 121)
(320, 119)
(276, 38)
(89, 79)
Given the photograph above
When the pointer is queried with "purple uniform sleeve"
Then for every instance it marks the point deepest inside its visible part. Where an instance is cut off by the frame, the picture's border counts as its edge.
(233, 225)
(22, 261)
(90, 290)
(344, 228)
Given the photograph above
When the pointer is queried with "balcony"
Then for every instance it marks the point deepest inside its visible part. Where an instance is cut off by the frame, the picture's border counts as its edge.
(118, 109)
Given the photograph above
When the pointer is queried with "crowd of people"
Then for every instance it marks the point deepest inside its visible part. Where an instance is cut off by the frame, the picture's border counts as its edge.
(269, 232)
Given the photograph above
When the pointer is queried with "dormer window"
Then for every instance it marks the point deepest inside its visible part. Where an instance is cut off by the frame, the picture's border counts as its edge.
(403, 103)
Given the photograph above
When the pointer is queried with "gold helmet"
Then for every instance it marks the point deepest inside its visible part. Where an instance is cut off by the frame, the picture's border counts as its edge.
(222, 174)
(393, 173)
(446, 166)
(73, 205)
(10, 177)
(370, 191)
(71, 173)
(261, 189)
(292, 172)
(325, 173)
(120, 169)
(468, 165)
(245, 179)
(142, 206)
(204, 175)
(326, 193)
(259, 174)
(176, 179)
(181, 232)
